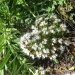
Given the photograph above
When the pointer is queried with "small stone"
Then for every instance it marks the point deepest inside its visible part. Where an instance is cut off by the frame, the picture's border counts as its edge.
(72, 47)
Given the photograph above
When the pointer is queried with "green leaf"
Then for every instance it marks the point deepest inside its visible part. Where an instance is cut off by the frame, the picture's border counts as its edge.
(2, 26)
(5, 59)
(14, 70)
(48, 9)
(2, 72)
(2, 42)
(19, 2)
(55, 60)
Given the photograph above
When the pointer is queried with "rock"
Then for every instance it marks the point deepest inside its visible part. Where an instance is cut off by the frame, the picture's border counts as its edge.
(72, 47)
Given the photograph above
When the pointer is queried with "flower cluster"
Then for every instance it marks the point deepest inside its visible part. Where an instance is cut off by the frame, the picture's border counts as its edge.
(44, 38)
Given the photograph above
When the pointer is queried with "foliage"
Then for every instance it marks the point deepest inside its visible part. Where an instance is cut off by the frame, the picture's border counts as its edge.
(16, 17)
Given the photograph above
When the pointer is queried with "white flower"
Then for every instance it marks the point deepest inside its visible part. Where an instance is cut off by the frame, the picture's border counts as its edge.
(40, 71)
(40, 53)
(44, 30)
(58, 30)
(47, 18)
(54, 48)
(43, 56)
(53, 51)
(62, 48)
(41, 68)
(37, 54)
(42, 23)
(54, 40)
(41, 45)
(32, 56)
(35, 31)
(53, 56)
(44, 51)
(36, 72)
(26, 51)
(27, 35)
(34, 46)
(43, 72)
(47, 50)
(52, 43)
(38, 21)
(52, 31)
(53, 16)
(33, 27)
(60, 40)
(51, 27)
(22, 39)
(39, 48)
(44, 41)
(22, 46)
(23, 42)
(40, 18)
(57, 20)
(63, 27)
(36, 37)
(67, 42)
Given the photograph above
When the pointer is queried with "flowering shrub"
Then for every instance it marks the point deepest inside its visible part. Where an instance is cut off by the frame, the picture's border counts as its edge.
(44, 38)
